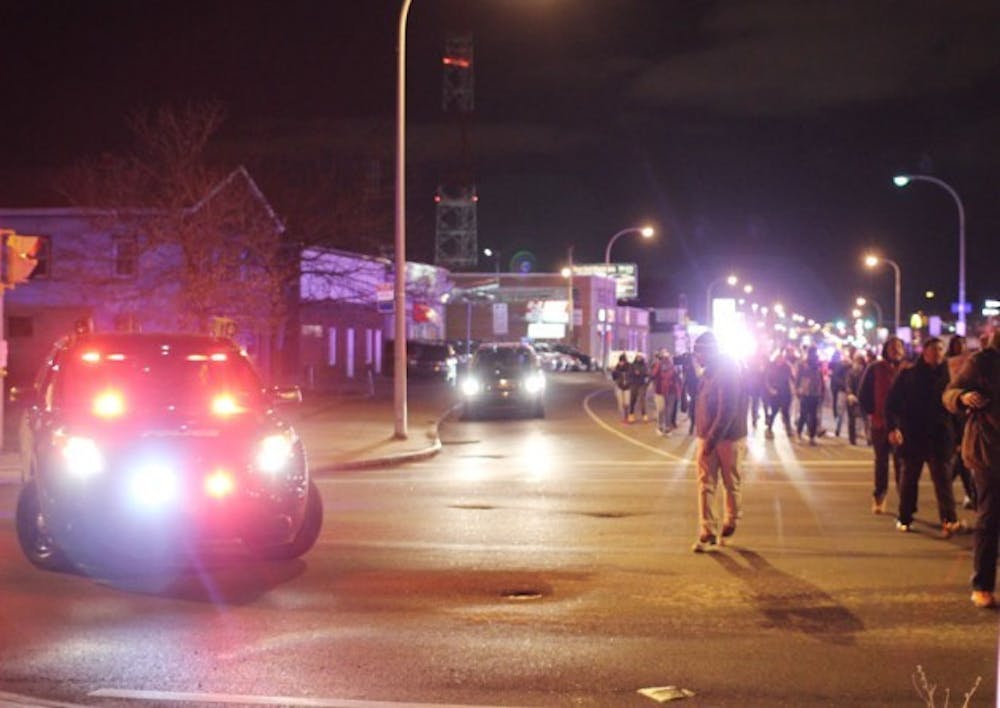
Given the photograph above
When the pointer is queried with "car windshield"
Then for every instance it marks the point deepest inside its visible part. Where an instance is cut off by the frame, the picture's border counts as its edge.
(503, 358)
(154, 377)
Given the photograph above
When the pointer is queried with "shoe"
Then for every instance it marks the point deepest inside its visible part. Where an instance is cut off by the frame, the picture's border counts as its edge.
(727, 531)
(769, 434)
(903, 528)
(967, 503)
(878, 506)
(645, 418)
(705, 543)
(812, 442)
(983, 599)
(951, 528)
(631, 417)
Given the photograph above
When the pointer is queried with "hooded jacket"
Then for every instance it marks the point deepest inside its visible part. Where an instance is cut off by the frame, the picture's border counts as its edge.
(981, 439)
(721, 410)
(914, 406)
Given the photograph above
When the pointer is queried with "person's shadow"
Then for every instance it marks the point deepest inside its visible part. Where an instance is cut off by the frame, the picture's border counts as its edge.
(789, 603)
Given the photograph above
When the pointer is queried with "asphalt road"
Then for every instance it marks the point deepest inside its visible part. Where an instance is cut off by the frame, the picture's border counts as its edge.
(533, 562)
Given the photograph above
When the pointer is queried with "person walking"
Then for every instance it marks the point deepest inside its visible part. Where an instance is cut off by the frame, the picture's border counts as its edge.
(689, 393)
(721, 430)
(779, 383)
(975, 391)
(852, 385)
(921, 427)
(875, 383)
(756, 373)
(665, 386)
(840, 367)
(957, 355)
(809, 387)
(639, 380)
(621, 375)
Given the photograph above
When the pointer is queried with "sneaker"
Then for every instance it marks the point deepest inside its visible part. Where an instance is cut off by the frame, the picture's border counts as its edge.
(878, 505)
(812, 442)
(951, 528)
(983, 599)
(967, 503)
(705, 543)
(769, 434)
(903, 528)
(645, 418)
(631, 417)
(727, 531)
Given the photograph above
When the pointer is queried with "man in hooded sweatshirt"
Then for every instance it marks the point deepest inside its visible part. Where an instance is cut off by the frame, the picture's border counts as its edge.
(721, 430)
(875, 384)
(975, 390)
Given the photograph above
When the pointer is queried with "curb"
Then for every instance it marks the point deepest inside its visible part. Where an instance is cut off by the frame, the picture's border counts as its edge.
(398, 459)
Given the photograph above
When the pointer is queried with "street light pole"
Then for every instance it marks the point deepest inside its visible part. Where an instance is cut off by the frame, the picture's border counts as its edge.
(871, 262)
(399, 294)
(646, 232)
(905, 179)
(862, 301)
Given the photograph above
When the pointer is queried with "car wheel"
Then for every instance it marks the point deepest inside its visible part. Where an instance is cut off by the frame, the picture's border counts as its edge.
(305, 538)
(35, 541)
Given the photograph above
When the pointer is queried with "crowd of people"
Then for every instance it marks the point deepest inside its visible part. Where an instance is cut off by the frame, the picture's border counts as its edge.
(933, 407)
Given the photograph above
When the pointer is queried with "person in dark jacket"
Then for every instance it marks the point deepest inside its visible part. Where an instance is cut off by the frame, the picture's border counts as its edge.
(639, 379)
(921, 426)
(666, 384)
(809, 388)
(875, 383)
(956, 356)
(840, 367)
(721, 429)
(689, 391)
(778, 385)
(852, 385)
(975, 390)
(622, 376)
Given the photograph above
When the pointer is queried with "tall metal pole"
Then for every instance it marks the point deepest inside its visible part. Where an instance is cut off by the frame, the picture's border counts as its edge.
(399, 294)
(899, 278)
(902, 181)
(569, 298)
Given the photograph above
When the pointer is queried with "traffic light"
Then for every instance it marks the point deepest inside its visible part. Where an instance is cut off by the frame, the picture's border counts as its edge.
(19, 256)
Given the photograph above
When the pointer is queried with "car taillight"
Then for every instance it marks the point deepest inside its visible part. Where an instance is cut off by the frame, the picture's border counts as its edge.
(109, 404)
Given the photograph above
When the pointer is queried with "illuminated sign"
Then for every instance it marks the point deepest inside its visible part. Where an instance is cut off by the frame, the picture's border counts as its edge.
(625, 275)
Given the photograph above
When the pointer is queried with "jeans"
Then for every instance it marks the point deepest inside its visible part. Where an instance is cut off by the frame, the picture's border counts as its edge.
(984, 539)
(776, 405)
(639, 396)
(809, 416)
(724, 461)
(665, 405)
(622, 398)
(909, 484)
(883, 450)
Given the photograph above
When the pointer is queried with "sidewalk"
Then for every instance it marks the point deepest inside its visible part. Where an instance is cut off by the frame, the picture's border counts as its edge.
(349, 432)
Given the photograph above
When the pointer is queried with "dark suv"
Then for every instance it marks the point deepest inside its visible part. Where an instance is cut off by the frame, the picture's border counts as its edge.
(504, 376)
(138, 445)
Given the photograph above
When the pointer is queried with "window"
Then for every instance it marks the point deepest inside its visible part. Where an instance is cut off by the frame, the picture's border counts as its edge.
(124, 250)
(43, 258)
(332, 349)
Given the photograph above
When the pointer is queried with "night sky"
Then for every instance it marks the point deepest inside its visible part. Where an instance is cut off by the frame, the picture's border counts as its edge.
(757, 136)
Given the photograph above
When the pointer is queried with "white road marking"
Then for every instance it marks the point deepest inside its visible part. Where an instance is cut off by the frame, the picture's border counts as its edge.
(594, 417)
(186, 697)
(18, 699)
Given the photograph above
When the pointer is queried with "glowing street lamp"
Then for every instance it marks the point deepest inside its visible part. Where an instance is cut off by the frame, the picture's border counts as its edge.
(904, 179)
(646, 232)
(871, 261)
(861, 301)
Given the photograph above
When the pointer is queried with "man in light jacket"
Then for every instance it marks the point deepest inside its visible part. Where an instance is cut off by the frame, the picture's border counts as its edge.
(721, 429)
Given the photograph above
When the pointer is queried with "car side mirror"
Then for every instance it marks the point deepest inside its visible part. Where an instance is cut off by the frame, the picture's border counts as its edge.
(284, 395)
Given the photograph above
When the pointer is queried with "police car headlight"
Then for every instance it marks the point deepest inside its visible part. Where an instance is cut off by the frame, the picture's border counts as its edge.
(82, 457)
(274, 452)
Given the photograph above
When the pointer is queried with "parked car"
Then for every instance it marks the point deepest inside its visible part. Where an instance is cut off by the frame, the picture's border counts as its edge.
(137, 446)
(581, 361)
(504, 376)
(424, 359)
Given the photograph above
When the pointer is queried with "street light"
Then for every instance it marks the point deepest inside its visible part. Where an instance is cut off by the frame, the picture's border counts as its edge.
(904, 179)
(645, 232)
(731, 280)
(871, 261)
(862, 301)
(399, 282)
(567, 273)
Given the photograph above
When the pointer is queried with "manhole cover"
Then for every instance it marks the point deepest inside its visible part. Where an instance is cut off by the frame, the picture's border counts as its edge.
(521, 595)
(474, 507)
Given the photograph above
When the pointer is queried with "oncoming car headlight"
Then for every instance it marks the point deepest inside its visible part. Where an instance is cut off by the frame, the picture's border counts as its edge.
(534, 383)
(274, 452)
(470, 386)
(82, 456)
